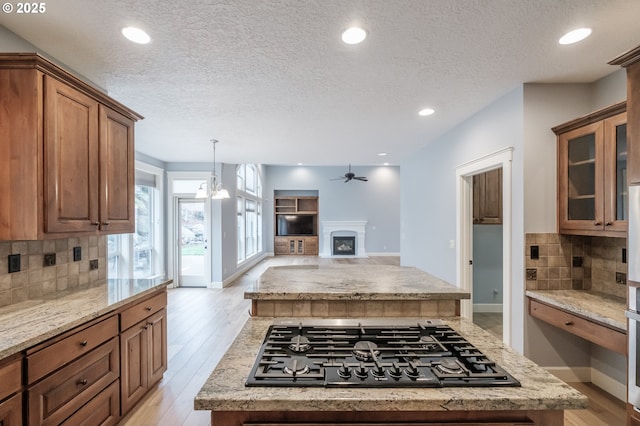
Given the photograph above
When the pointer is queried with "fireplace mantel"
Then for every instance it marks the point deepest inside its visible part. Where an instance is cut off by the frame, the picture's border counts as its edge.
(334, 227)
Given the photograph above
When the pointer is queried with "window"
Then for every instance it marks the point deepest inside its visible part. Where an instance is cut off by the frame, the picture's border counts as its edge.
(139, 255)
(249, 211)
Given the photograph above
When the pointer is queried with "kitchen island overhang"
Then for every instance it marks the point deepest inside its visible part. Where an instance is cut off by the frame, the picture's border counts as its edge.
(338, 290)
(541, 399)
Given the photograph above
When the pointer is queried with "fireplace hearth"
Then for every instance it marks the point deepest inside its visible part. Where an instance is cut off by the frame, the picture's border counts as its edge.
(344, 246)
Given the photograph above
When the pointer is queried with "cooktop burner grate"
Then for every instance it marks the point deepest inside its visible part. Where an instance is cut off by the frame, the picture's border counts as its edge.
(372, 353)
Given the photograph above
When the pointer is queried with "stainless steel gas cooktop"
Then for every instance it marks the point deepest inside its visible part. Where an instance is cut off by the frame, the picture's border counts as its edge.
(371, 353)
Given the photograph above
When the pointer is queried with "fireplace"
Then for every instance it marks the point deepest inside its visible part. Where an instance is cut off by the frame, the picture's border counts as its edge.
(344, 246)
(342, 228)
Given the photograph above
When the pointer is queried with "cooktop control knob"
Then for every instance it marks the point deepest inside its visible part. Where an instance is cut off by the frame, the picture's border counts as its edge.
(395, 371)
(344, 371)
(378, 371)
(412, 371)
(361, 371)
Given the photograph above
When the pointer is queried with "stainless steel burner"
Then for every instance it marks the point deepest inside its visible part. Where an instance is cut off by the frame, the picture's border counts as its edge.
(428, 343)
(295, 366)
(449, 366)
(299, 344)
(365, 350)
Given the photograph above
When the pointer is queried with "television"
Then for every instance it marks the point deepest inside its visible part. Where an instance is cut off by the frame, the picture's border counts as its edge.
(295, 224)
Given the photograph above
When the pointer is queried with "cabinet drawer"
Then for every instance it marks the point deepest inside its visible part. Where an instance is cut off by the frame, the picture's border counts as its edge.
(11, 411)
(54, 356)
(103, 410)
(10, 378)
(140, 311)
(58, 396)
(589, 330)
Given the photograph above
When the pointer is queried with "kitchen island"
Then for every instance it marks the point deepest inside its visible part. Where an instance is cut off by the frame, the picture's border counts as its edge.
(541, 399)
(353, 291)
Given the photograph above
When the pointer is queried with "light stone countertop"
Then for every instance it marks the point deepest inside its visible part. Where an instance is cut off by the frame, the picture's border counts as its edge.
(351, 282)
(598, 307)
(225, 389)
(29, 323)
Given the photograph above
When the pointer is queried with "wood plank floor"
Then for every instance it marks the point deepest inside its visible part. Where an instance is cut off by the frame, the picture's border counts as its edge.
(202, 323)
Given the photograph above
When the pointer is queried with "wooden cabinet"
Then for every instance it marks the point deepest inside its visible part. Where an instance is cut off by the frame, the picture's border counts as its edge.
(10, 392)
(143, 349)
(67, 163)
(592, 174)
(487, 198)
(594, 332)
(66, 372)
(296, 225)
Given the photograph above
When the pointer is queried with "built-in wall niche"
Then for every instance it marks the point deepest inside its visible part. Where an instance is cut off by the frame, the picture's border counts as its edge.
(296, 222)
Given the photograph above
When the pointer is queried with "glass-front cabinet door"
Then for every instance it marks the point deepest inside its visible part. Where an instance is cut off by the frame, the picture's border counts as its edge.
(592, 177)
(616, 203)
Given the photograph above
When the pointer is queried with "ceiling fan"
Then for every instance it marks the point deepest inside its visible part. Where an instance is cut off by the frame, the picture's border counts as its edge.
(349, 176)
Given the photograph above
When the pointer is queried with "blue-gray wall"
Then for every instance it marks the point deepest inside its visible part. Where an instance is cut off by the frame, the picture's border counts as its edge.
(376, 201)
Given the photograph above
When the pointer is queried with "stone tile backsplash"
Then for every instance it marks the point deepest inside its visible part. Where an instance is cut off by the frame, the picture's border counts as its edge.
(568, 262)
(34, 280)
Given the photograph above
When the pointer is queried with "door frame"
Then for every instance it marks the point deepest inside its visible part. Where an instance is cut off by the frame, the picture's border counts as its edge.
(207, 232)
(172, 225)
(464, 231)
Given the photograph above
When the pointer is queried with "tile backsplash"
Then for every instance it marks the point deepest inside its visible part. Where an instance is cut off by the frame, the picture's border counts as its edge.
(35, 280)
(575, 262)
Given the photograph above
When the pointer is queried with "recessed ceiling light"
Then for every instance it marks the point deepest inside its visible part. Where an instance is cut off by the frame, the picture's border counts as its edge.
(426, 111)
(382, 154)
(136, 35)
(385, 164)
(299, 164)
(354, 35)
(575, 36)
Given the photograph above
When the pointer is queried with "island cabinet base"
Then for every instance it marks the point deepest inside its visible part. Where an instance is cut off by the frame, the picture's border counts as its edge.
(391, 418)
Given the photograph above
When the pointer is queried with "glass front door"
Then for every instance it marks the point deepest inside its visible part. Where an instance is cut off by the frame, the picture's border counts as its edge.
(192, 242)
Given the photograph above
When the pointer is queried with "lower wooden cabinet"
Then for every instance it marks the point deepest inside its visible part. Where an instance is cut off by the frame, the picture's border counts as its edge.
(143, 356)
(296, 245)
(633, 417)
(102, 410)
(11, 411)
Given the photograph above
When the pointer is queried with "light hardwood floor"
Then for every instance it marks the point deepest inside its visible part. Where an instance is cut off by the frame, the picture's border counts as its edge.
(202, 323)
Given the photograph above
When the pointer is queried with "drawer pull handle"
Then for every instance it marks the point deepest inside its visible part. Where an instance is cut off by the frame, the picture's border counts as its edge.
(83, 382)
(568, 323)
(148, 308)
(149, 323)
(145, 327)
(83, 343)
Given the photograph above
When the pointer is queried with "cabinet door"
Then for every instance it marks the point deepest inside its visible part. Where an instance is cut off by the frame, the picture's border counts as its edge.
(580, 179)
(487, 197)
(70, 159)
(134, 348)
(615, 173)
(117, 172)
(11, 411)
(157, 334)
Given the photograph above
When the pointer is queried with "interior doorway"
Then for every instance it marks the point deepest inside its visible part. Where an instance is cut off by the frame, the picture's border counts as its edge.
(192, 243)
(465, 227)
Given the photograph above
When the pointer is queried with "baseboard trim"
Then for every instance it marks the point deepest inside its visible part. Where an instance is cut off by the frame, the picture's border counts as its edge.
(241, 270)
(589, 374)
(487, 307)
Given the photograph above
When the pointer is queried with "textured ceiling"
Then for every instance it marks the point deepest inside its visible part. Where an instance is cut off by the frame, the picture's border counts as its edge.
(273, 82)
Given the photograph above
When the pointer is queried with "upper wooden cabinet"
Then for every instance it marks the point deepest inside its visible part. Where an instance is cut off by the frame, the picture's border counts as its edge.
(487, 198)
(592, 174)
(66, 154)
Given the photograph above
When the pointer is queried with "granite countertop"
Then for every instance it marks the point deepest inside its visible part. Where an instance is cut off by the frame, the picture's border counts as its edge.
(224, 389)
(29, 323)
(594, 306)
(351, 282)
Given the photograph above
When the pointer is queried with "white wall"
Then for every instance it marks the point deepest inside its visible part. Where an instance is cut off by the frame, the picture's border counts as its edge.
(428, 194)
(376, 201)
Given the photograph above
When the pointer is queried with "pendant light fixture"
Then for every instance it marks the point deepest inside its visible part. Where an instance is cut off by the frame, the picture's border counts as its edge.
(214, 190)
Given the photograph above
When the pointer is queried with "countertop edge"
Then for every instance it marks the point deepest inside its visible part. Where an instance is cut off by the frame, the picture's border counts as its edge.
(447, 295)
(36, 340)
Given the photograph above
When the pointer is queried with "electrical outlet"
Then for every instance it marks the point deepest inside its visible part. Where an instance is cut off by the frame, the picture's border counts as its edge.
(14, 262)
(93, 264)
(621, 278)
(77, 253)
(532, 274)
(49, 259)
(577, 261)
(624, 255)
(535, 252)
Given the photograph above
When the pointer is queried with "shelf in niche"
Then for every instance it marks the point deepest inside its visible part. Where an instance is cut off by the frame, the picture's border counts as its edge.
(591, 161)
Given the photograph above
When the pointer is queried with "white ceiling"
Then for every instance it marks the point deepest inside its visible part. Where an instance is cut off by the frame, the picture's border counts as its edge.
(273, 82)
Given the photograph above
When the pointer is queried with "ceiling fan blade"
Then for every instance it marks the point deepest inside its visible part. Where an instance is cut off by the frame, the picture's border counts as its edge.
(362, 178)
(347, 180)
